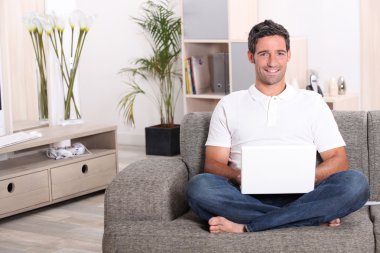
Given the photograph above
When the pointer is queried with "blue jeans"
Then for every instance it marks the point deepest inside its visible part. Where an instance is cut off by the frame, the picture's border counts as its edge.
(340, 194)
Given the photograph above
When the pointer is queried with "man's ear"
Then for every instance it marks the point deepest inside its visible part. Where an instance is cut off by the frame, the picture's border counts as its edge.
(289, 54)
(251, 57)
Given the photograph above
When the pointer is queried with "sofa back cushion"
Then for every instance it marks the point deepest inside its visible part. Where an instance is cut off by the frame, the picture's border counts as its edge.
(352, 125)
(374, 153)
(193, 136)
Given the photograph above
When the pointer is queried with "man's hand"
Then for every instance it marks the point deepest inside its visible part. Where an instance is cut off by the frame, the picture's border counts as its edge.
(334, 160)
(216, 162)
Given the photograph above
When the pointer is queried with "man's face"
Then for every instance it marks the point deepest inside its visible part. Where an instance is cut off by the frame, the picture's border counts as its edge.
(270, 59)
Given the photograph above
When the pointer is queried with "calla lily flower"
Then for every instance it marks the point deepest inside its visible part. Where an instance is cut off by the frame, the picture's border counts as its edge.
(60, 23)
(54, 27)
(75, 18)
(28, 21)
(35, 24)
(86, 23)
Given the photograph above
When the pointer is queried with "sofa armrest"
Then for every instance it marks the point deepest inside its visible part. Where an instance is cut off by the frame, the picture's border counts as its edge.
(151, 189)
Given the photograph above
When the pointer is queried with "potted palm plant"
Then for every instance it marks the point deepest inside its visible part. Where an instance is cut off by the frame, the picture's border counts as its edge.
(160, 70)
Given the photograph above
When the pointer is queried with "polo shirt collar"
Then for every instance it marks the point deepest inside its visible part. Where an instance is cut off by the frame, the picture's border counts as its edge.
(287, 94)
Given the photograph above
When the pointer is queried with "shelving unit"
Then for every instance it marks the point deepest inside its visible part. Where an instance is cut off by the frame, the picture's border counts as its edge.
(222, 26)
(218, 26)
(348, 102)
(28, 179)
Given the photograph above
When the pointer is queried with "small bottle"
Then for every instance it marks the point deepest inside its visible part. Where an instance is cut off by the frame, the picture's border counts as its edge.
(341, 86)
(333, 87)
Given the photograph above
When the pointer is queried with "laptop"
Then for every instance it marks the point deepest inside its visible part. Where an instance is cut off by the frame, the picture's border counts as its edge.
(278, 169)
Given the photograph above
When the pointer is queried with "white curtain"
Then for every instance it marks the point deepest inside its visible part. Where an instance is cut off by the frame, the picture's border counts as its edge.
(18, 62)
(370, 54)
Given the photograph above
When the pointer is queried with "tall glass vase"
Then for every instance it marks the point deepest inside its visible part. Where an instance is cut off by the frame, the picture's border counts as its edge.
(42, 93)
(71, 113)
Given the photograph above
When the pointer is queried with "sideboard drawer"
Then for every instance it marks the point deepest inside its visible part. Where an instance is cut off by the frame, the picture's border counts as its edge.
(82, 176)
(24, 191)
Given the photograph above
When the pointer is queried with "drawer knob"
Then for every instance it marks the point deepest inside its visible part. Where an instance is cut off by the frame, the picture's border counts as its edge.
(84, 168)
(11, 187)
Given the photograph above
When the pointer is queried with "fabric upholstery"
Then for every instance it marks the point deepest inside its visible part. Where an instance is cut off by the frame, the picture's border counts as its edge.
(353, 127)
(152, 189)
(194, 131)
(375, 217)
(374, 153)
(186, 234)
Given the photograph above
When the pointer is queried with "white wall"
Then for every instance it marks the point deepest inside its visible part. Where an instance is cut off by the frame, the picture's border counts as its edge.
(112, 43)
(333, 32)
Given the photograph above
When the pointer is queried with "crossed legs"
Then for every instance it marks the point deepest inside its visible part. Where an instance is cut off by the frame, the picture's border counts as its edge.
(219, 202)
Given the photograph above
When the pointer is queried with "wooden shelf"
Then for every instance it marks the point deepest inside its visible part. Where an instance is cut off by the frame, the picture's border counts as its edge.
(29, 179)
(348, 102)
(205, 96)
(59, 133)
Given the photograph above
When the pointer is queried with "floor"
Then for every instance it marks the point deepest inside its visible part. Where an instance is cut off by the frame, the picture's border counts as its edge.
(71, 226)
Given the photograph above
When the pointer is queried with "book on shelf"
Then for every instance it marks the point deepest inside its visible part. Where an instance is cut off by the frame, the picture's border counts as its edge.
(197, 74)
(188, 77)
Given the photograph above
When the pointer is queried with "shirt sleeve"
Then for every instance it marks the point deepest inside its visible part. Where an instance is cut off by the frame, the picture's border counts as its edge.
(325, 129)
(219, 133)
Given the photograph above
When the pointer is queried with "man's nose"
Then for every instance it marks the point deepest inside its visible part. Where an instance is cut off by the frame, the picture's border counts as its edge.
(271, 60)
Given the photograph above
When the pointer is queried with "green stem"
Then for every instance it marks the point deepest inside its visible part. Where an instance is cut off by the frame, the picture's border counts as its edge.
(70, 97)
(55, 47)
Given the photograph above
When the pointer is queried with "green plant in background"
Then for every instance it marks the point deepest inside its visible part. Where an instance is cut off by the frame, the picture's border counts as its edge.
(161, 69)
(34, 24)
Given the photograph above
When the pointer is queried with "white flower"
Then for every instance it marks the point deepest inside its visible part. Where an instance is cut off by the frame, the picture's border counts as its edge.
(38, 22)
(51, 19)
(79, 18)
(48, 27)
(59, 23)
(86, 23)
(75, 17)
(29, 21)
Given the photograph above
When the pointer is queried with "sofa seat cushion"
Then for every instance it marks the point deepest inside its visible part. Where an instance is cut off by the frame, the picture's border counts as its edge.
(187, 234)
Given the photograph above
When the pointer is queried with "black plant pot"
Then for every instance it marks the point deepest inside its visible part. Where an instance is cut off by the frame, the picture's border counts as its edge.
(162, 141)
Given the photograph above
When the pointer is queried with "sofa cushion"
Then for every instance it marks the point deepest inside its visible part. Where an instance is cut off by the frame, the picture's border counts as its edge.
(353, 127)
(374, 153)
(187, 234)
(194, 132)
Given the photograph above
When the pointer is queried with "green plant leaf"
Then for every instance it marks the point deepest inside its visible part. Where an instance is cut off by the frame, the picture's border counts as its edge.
(160, 70)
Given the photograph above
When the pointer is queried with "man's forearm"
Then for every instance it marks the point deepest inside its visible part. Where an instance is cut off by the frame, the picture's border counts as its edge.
(224, 170)
(330, 167)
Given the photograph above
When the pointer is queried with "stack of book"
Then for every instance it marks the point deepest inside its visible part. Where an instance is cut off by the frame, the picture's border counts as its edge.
(197, 74)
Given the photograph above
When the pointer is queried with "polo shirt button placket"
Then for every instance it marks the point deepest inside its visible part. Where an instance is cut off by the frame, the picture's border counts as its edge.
(272, 111)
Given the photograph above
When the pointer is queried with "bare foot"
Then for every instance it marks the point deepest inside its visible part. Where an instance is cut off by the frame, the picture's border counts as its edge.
(222, 225)
(334, 223)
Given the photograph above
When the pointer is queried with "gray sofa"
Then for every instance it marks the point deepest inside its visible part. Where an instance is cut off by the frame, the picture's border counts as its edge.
(146, 209)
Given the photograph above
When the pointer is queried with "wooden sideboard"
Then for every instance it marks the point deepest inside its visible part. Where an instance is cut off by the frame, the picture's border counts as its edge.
(29, 179)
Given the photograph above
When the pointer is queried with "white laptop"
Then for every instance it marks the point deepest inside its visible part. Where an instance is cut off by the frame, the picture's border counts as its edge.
(278, 169)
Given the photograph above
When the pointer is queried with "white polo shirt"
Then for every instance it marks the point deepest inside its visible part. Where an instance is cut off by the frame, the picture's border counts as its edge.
(295, 117)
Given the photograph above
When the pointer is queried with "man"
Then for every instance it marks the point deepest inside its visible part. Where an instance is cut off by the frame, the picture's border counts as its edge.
(271, 112)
